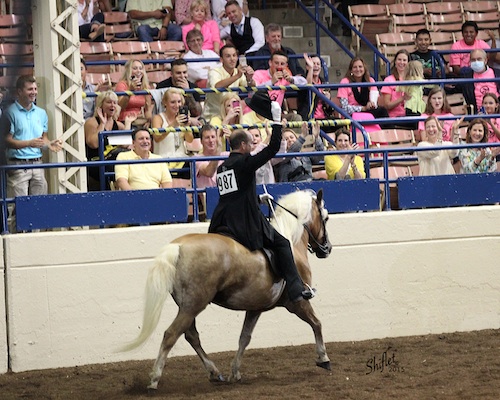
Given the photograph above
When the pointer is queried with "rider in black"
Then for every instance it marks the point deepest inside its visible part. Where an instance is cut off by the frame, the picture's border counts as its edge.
(238, 212)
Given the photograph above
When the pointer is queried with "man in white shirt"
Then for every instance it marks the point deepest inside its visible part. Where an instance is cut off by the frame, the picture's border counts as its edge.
(246, 33)
(227, 76)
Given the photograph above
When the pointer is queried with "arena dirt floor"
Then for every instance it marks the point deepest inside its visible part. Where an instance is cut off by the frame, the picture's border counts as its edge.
(448, 366)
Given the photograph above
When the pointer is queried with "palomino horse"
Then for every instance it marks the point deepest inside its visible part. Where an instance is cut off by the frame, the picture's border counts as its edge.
(197, 269)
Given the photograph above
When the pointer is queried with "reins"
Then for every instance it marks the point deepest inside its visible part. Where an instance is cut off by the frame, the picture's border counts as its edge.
(321, 246)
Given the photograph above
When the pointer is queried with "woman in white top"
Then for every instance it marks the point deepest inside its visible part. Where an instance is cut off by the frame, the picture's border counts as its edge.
(171, 144)
(437, 162)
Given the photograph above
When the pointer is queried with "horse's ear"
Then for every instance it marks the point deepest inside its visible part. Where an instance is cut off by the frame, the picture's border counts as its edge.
(319, 196)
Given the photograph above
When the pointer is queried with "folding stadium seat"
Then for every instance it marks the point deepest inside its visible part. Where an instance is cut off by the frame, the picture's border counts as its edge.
(118, 26)
(442, 41)
(409, 23)
(96, 77)
(20, 53)
(486, 20)
(479, 6)
(369, 19)
(97, 51)
(165, 49)
(443, 8)
(156, 77)
(394, 172)
(13, 28)
(393, 138)
(127, 50)
(402, 9)
(445, 22)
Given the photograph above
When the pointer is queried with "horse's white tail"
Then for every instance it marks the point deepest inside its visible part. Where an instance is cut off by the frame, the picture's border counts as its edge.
(158, 286)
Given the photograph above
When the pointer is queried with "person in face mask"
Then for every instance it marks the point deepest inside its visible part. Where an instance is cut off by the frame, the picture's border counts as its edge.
(474, 91)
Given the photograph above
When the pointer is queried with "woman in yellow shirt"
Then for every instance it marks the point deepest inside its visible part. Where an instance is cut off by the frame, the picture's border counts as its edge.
(345, 166)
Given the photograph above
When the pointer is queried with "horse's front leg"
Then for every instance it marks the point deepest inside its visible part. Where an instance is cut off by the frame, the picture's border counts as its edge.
(305, 312)
(251, 318)
(193, 338)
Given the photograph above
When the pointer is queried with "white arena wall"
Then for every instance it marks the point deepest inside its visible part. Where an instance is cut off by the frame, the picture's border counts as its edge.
(74, 297)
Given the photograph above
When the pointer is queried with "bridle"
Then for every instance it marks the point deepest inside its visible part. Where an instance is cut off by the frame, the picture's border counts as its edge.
(323, 249)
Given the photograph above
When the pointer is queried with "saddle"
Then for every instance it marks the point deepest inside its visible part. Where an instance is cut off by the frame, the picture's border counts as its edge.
(222, 230)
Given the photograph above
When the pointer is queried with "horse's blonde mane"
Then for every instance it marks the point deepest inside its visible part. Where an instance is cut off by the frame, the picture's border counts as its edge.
(298, 203)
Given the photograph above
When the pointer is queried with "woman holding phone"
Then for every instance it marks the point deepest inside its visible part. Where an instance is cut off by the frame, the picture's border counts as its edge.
(231, 112)
(134, 78)
(171, 144)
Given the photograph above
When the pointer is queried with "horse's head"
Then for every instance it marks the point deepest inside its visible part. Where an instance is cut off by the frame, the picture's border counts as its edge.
(318, 235)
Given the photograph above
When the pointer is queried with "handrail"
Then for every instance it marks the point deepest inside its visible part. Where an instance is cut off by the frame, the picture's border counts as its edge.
(195, 191)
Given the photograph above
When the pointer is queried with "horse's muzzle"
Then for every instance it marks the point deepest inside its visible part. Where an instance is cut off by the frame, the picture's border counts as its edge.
(324, 250)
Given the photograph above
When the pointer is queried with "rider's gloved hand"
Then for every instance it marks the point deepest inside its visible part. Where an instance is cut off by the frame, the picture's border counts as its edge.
(276, 111)
(265, 198)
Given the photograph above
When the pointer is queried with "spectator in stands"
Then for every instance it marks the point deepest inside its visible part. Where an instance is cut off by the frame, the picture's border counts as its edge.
(479, 160)
(246, 33)
(468, 42)
(206, 171)
(219, 12)
(26, 140)
(360, 99)
(179, 79)
(208, 27)
(89, 102)
(415, 106)
(141, 176)
(278, 73)
(198, 71)
(437, 106)
(265, 174)
(182, 11)
(317, 108)
(474, 91)
(273, 35)
(428, 58)
(393, 98)
(494, 44)
(226, 76)
(345, 166)
(90, 21)
(104, 119)
(437, 162)
(294, 169)
(154, 20)
(134, 78)
(231, 110)
(171, 144)
(491, 106)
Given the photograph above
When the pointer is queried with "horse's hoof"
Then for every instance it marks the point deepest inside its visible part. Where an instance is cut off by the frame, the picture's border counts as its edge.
(152, 391)
(325, 364)
(217, 378)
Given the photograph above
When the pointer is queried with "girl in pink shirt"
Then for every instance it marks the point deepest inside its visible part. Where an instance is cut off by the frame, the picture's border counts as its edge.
(491, 106)
(392, 98)
(209, 28)
(437, 106)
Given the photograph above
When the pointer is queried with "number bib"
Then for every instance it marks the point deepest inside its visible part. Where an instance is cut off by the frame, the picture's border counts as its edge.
(226, 182)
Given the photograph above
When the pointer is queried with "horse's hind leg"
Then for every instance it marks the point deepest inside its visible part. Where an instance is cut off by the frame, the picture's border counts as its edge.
(193, 338)
(251, 318)
(180, 324)
(304, 311)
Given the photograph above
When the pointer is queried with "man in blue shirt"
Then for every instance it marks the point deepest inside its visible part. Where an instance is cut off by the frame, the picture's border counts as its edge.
(26, 139)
